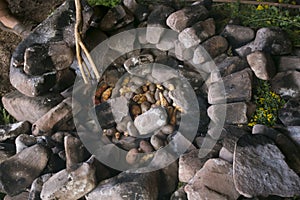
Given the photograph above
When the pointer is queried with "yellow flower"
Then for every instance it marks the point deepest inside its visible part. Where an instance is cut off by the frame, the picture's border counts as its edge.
(259, 7)
(280, 1)
(293, 2)
(268, 22)
(266, 6)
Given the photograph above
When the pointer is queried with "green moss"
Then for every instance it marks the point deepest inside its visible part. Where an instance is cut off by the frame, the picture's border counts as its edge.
(108, 3)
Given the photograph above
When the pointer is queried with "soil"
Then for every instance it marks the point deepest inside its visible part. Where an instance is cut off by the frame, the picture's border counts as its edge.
(28, 12)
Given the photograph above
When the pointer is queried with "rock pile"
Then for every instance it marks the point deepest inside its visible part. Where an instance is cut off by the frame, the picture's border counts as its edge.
(43, 157)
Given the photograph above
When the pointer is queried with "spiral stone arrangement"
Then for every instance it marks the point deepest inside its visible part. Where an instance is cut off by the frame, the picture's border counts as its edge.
(168, 118)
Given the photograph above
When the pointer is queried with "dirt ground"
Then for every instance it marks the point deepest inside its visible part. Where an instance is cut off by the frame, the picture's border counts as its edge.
(29, 12)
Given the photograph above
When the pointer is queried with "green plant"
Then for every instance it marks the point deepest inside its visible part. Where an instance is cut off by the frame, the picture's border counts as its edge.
(267, 105)
(108, 3)
(264, 16)
(5, 117)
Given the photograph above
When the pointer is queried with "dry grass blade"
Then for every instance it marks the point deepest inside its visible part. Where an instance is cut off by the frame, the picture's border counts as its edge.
(80, 46)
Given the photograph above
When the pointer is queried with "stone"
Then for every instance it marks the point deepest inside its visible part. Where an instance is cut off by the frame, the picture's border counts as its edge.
(289, 115)
(270, 40)
(191, 162)
(226, 155)
(61, 55)
(117, 17)
(21, 196)
(238, 35)
(157, 142)
(287, 63)
(168, 179)
(54, 119)
(24, 141)
(215, 46)
(230, 135)
(269, 170)
(213, 181)
(128, 143)
(286, 84)
(179, 195)
(289, 149)
(293, 132)
(53, 29)
(11, 131)
(75, 152)
(121, 44)
(24, 108)
(21, 169)
(166, 42)
(119, 108)
(236, 113)
(235, 87)
(37, 186)
(140, 11)
(163, 73)
(70, 185)
(196, 34)
(151, 120)
(132, 131)
(181, 52)
(37, 61)
(157, 23)
(127, 186)
(105, 116)
(186, 17)
(230, 65)
(262, 65)
(31, 86)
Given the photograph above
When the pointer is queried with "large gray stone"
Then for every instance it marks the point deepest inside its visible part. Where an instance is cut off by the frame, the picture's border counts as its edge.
(230, 65)
(19, 171)
(24, 108)
(186, 17)
(11, 131)
(289, 114)
(286, 84)
(191, 162)
(70, 185)
(284, 143)
(119, 108)
(215, 46)
(294, 134)
(236, 113)
(235, 88)
(287, 63)
(140, 11)
(262, 65)
(127, 186)
(238, 35)
(196, 34)
(55, 119)
(260, 169)
(151, 120)
(271, 40)
(213, 181)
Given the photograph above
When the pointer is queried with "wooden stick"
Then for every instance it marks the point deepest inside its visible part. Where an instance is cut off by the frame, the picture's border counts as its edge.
(88, 55)
(77, 39)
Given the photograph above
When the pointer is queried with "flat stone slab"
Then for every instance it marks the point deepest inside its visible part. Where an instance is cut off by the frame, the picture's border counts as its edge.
(24, 108)
(213, 181)
(19, 171)
(260, 169)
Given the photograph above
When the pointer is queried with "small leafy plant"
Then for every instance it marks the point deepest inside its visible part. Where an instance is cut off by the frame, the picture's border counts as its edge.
(267, 103)
(108, 3)
(5, 117)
